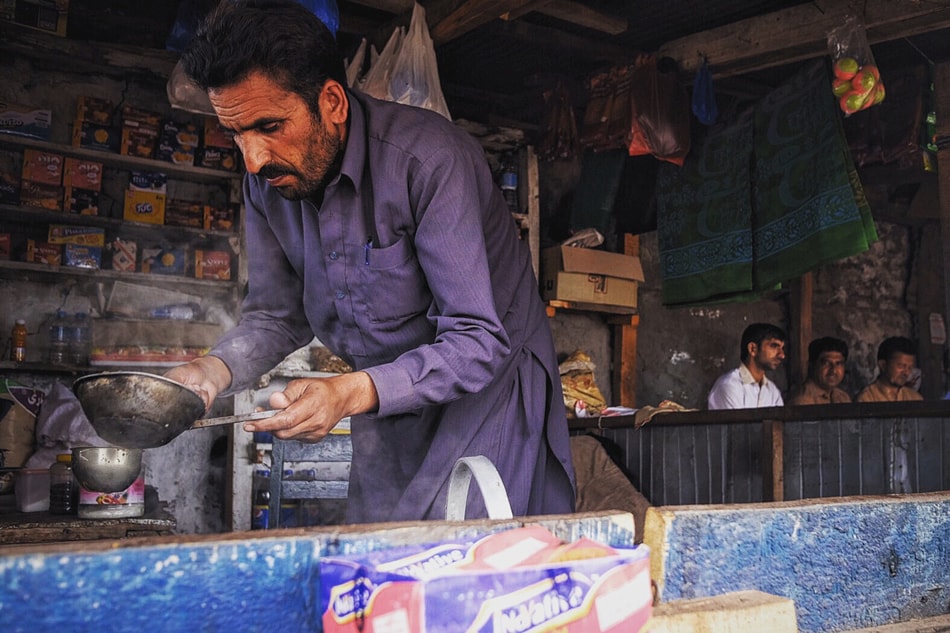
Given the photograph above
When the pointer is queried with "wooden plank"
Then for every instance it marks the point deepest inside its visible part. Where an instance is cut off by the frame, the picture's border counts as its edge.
(873, 458)
(928, 458)
(773, 454)
(829, 459)
(811, 460)
(849, 444)
(702, 465)
(801, 327)
(467, 16)
(574, 13)
(799, 33)
(792, 460)
(624, 374)
(534, 208)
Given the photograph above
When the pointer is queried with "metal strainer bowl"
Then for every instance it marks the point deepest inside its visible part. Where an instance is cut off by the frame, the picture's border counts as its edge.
(106, 469)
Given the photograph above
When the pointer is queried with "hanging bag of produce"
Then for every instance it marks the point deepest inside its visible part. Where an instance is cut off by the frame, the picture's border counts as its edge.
(659, 111)
(857, 82)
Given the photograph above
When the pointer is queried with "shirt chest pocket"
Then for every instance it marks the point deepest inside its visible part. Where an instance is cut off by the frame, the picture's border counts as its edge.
(393, 287)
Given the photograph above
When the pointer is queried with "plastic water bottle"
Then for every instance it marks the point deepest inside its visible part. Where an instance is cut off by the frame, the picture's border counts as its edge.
(79, 339)
(509, 183)
(59, 339)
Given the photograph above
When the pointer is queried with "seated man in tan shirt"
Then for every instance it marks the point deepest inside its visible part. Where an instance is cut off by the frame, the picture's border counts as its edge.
(827, 357)
(896, 359)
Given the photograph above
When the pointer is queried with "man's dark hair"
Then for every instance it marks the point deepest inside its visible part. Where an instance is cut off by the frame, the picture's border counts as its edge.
(825, 344)
(896, 345)
(280, 38)
(756, 333)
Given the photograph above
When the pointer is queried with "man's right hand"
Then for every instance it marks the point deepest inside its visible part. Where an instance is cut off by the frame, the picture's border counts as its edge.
(207, 376)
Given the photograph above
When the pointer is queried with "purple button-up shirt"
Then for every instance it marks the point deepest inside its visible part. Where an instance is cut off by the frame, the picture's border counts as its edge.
(411, 270)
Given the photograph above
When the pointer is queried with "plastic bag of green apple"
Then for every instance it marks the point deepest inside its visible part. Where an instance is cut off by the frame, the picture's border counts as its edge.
(857, 82)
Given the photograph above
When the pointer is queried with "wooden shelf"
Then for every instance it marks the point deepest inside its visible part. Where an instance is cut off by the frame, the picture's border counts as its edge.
(556, 304)
(130, 163)
(26, 270)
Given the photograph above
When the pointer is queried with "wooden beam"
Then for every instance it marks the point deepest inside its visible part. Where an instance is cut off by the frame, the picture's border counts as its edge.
(573, 13)
(582, 47)
(773, 460)
(800, 33)
(467, 16)
(800, 329)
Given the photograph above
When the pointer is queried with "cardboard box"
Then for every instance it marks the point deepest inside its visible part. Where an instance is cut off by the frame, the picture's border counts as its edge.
(94, 110)
(79, 235)
(212, 265)
(43, 15)
(217, 158)
(123, 253)
(220, 218)
(5, 246)
(25, 120)
(159, 260)
(81, 256)
(184, 213)
(43, 253)
(145, 198)
(43, 167)
(41, 196)
(11, 169)
(216, 135)
(104, 138)
(508, 581)
(178, 142)
(590, 276)
(81, 173)
(81, 201)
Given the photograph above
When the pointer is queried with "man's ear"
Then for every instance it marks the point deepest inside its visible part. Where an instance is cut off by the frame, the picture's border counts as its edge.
(881, 366)
(334, 104)
(752, 348)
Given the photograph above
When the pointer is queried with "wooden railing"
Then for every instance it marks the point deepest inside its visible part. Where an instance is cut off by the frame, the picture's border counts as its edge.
(783, 453)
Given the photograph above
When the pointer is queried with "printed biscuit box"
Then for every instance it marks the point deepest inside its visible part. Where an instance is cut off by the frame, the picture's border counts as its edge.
(145, 198)
(212, 265)
(24, 120)
(43, 167)
(521, 580)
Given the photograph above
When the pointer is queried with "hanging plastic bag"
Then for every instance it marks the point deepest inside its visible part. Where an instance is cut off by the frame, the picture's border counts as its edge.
(354, 66)
(415, 76)
(659, 111)
(704, 97)
(857, 81)
(184, 94)
(376, 81)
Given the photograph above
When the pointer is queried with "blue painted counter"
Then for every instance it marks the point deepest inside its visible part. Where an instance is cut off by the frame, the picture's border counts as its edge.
(242, 582)
(847, 562)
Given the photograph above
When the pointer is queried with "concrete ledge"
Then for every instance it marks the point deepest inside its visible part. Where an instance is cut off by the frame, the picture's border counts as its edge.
(939, 624)
(247, 581)
(846, 562)
(738, 612)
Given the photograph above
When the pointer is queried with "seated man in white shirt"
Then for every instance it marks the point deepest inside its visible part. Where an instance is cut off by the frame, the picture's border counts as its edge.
(762, 349)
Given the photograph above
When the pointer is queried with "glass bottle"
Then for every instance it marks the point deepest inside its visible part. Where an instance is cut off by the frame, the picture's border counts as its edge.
(260, 502)
(18, 342)
(63, 487)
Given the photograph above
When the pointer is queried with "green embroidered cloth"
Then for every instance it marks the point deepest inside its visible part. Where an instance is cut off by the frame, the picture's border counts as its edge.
(762, 199)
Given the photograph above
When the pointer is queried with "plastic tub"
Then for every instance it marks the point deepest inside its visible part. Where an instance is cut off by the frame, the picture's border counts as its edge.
(32, 490)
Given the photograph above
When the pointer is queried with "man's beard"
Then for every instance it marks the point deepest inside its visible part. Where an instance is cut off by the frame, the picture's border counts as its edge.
(323, 160)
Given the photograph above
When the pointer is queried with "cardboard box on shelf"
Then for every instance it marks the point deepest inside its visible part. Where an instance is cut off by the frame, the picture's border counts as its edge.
(42, 15)
(5, 246)
(94, 110)
(104, 138)
(177, 142)
(81, 201)
(24, 120)
(159, 260)
(184, 213)
(145, 198)
(212, 265)
(220, 217)
(43, 167)
(82, 256)
(43, 253)
(123, 253)
(590, 276)
(82, 173)
(41, 195)
(11, 169)
(80, 235)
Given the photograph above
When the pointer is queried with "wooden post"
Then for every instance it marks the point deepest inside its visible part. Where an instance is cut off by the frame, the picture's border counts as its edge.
(942, 108)
(624, 374)
(773, 463)
(800, 329)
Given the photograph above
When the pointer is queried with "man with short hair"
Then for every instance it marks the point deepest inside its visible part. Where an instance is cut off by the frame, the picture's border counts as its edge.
(377, 227)
(896, 361)
(827, 357)
(762, 349)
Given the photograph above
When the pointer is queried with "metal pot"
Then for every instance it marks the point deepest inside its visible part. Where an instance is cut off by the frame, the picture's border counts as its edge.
(140, 410)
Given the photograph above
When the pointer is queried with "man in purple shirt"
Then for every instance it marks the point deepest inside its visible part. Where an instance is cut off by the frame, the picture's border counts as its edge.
(378, 228)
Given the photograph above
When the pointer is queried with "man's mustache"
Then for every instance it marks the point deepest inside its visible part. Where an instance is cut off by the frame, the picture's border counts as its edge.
(273, 171)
